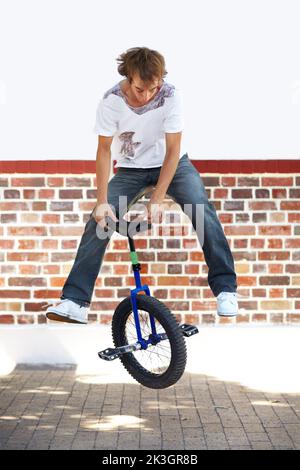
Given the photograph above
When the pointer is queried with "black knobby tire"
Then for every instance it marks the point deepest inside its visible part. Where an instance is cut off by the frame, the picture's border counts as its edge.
(176, 342)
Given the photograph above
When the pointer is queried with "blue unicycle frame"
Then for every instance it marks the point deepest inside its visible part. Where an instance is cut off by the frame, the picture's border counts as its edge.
(142, 343)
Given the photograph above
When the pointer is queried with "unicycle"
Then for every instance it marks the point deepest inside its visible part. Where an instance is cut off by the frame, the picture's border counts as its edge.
(147, 338)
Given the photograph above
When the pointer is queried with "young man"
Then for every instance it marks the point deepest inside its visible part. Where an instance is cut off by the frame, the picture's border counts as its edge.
(142, 117)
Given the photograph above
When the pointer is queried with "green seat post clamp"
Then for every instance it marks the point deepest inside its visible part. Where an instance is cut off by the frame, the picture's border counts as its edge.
(134, 257)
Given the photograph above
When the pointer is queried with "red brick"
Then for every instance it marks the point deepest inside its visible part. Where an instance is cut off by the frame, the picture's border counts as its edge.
(29, 269)
(70, 194)
(274, 243)
(11, 194)
(28, 193)
(113, 281)
(14, 294)
(51, 269)
(292, 268)
(56, 182)
(259, 317)
(173, 280)
(192, 319)
(172, 256)
(239, 230)
(295, 193)
(174, 269)
(46, 193)
(158, 243)
(259, 293)
(241, 193)
(248, 304)
(61, 206)
(13, 206)
(243, 318)
(244, 255)
(25, 319)
(6, 244)
(275, 268)
(273, 255)
(220, 193)
(262, 193)
(6, 319)
(47, 294)
(3, 182)
(225, 218)
(34, 306)
(78, 182)
(259, 217)
(233, 205)
(294, 217)
(61, 257)
(292, 243)
(228, 181)
(279, 193)
(276, 293)
(8, 218)
(211, 181)
(206, 305)
(27, 281)
(280, 181)
(274, 230)
(105, 319)
(276, 317)
(248, 181)
(191, 269)
(31, 231)
(290, 205)
(28, 182)
(293, 317)
(66, 231)
(247, 280)
(51, 218)
(207, 319)
(293, 293)
(240, 243)
(257, 243)
(50, 244)
(274, 280)
(119, 270)
(27, 244)
(262, 206)
(191, 243)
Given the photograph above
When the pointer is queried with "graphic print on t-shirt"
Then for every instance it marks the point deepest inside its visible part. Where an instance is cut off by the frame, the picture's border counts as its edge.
(128, 146)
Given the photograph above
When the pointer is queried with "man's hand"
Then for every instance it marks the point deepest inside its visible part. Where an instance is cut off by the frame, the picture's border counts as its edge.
(101, 211)
(151, 211)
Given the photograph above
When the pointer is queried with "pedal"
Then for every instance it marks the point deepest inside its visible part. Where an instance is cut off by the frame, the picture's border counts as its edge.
(109, 354)
(189, 330)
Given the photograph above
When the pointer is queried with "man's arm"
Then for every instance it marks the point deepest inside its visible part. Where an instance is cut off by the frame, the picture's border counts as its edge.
(168, 168)
(103, 164)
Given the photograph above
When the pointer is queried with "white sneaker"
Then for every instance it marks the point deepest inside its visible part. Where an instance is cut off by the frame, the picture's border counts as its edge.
(68, 311)
(227, 305)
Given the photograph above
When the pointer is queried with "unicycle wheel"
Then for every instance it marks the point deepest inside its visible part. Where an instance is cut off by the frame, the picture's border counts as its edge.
(160, 365)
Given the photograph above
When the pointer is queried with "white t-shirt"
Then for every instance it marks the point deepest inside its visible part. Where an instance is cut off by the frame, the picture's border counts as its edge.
(139, 132)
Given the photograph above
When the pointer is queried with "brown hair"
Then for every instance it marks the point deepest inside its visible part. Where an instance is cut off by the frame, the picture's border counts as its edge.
(148, 63)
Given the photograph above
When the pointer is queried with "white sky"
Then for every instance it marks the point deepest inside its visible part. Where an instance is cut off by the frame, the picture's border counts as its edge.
(235, 61)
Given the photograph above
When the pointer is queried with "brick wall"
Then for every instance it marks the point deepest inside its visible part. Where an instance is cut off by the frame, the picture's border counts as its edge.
(44, 206)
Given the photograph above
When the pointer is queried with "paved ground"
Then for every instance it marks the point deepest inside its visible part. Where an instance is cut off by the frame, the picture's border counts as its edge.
(58, 409)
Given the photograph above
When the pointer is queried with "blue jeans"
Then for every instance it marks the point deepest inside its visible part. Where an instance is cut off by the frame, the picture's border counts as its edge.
(186, 187)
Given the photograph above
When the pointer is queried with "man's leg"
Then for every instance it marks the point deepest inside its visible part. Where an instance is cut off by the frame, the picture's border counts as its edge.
(80, 283)
(187, 188)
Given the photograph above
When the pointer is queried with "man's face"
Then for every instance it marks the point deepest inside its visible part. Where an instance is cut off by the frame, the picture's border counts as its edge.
(143, 92)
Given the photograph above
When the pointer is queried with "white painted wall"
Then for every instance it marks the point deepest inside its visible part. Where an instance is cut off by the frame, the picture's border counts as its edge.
(236, 62)
(264, 358)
